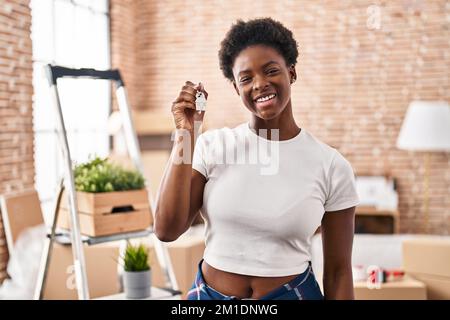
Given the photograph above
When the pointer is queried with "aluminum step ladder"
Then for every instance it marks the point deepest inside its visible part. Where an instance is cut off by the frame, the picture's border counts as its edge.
(74, 236)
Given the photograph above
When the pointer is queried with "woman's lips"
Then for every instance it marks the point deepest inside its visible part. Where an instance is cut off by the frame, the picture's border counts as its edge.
(266, 104)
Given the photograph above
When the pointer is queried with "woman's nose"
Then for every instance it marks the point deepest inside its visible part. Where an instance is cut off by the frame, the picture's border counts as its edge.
(260, 83)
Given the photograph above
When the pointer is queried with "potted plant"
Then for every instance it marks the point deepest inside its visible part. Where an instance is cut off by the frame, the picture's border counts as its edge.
(137, 272)
(101, 175)
(110, 199)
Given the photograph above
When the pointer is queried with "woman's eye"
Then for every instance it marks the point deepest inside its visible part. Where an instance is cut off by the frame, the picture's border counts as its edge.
(245, 79)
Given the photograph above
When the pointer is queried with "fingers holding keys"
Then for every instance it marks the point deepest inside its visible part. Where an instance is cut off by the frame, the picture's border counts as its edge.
(184, 106)
(201, 88)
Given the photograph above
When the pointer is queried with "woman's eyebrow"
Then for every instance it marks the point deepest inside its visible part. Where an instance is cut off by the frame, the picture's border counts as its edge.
(263, 66)
(269, 63)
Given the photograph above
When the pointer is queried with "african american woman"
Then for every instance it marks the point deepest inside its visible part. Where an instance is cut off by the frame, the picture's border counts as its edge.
(263, 187)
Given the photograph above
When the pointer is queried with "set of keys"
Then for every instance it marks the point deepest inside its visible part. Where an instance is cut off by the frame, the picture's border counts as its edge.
(200, 101)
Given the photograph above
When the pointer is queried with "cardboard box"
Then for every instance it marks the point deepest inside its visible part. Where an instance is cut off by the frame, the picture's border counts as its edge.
(427, 255)
(405, 289)
(103, 271)
(154, 162)
(437, 288)
(151, 122)
(101, 268)
(427, 258)
(185, 254)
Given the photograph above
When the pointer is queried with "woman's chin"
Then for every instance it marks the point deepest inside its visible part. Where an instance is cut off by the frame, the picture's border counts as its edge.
(267, 114)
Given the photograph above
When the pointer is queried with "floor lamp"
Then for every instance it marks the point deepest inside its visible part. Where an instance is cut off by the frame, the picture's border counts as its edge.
(426, 128)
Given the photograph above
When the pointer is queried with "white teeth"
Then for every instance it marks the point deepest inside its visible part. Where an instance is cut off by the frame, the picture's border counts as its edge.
(266, 98)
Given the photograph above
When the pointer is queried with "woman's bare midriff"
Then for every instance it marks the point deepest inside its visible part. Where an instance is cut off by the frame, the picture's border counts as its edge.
(241, 286)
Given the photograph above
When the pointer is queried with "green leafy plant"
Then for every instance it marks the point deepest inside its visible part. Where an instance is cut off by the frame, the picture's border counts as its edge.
(101, 175)
(135, 258)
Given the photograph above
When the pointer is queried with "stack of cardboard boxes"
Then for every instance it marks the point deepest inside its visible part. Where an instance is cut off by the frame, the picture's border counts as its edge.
(103, 269)
(427, 259)
(405, 289)
(426, 262)
(185, 254)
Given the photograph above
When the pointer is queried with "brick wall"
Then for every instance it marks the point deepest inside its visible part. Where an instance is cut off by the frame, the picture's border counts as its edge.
(123, 28)
(16, 133)
(357, 75)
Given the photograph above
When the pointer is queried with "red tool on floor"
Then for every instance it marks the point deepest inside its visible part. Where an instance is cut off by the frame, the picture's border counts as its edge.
(379, 275)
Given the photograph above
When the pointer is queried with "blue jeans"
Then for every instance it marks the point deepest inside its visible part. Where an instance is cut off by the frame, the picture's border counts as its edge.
(302, 287)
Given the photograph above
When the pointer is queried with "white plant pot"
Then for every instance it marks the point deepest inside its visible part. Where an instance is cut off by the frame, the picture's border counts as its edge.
(137, 285)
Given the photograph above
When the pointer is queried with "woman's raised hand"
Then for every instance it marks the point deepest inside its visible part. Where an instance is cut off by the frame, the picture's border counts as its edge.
(183, 108)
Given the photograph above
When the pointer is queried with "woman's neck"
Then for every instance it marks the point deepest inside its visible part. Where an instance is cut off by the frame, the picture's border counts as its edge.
(285, 123)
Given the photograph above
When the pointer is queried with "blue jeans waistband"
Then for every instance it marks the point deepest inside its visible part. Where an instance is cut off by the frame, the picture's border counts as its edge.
(303, 286)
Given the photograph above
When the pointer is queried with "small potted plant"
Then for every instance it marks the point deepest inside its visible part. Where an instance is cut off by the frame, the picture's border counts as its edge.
(110, 199)
(137, 272)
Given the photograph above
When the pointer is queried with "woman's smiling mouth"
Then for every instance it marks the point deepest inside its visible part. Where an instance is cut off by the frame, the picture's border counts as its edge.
(265, 101)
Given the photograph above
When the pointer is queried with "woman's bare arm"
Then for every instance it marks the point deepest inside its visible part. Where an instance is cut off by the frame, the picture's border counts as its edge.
(180, 195)
(337, 241)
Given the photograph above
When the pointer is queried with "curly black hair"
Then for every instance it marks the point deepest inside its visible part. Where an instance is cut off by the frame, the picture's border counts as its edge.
(264, 31)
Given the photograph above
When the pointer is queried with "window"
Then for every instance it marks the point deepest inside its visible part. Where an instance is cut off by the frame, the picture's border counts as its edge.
(72, 34)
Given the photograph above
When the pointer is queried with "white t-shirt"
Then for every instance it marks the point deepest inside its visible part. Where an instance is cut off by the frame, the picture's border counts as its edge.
(264, 199)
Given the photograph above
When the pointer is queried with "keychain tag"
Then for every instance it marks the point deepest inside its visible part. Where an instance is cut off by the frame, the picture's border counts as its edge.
(200, 102)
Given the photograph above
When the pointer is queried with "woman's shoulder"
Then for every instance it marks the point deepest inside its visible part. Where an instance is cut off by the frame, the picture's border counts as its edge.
(331, 154)
(317, 145)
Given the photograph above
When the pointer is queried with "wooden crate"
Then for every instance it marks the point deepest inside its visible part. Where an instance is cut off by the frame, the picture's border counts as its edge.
(98, 216)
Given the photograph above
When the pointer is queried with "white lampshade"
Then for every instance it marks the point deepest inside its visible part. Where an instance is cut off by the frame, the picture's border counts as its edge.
(426, 127)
